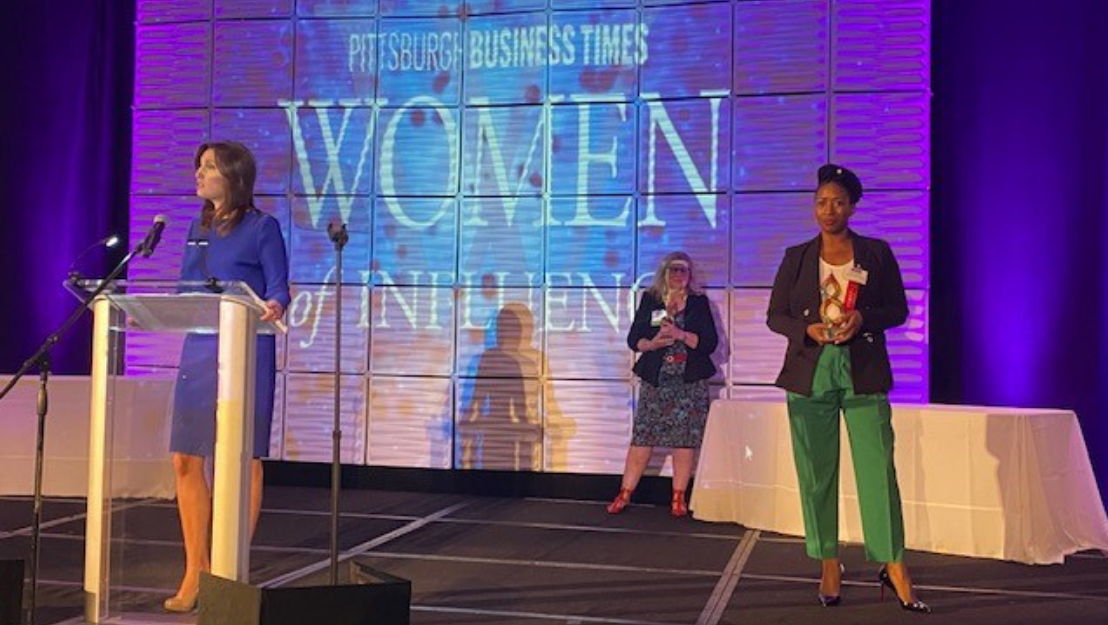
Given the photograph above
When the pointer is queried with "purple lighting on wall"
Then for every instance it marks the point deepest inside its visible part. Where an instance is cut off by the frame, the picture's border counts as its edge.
(528, 156)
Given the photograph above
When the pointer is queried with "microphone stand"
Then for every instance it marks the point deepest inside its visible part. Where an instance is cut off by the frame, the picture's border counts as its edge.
(338, 235)
(41, 359)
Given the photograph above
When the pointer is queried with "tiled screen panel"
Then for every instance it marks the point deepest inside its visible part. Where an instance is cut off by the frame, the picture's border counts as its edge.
(510, 172)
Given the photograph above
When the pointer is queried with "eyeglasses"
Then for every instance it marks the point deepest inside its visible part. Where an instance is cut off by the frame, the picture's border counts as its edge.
(678, 269)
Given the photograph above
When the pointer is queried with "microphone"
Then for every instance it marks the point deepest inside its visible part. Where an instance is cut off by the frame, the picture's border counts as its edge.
(336, 231)
(109, 242)
(153, 237)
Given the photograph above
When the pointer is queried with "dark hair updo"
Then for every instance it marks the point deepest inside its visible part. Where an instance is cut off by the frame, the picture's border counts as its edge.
(843, 177)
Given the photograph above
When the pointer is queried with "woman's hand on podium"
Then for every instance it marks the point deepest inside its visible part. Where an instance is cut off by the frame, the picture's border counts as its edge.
(273, 311)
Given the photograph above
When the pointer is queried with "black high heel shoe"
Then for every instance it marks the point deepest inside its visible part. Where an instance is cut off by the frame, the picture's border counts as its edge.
(830, 601)
(911, 606)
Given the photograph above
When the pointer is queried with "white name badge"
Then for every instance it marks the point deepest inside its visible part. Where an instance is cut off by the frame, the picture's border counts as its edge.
(656, 317)
(857, 274)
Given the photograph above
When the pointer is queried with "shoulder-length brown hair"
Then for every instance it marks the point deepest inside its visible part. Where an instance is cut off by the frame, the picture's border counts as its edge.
(236, 164)
(660, 287)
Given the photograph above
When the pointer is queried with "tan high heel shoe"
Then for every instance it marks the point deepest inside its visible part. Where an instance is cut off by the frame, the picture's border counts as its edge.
(177, 603)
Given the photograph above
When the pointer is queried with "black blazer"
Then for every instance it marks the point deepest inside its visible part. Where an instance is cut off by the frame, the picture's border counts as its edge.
(794, 305)
(698, 320)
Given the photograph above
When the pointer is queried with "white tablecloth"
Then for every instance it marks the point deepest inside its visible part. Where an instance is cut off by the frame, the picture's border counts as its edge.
(1002, 483)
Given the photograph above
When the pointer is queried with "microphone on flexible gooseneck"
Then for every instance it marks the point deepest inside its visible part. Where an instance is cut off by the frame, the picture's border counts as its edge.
(108, 242)
(153, 236)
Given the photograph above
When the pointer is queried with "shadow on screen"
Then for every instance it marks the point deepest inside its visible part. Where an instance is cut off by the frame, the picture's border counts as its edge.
(498, 423)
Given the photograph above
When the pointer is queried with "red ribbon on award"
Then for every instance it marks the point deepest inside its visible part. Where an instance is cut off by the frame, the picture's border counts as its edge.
(851, 298)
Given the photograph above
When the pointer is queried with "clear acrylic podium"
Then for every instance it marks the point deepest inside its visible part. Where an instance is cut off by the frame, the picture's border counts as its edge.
(114, 567)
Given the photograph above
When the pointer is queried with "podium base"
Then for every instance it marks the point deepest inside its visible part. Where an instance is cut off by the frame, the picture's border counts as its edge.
(370, 597)
(11, 592)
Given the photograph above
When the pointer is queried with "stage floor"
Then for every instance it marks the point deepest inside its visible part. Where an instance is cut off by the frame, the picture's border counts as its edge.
(491, 561)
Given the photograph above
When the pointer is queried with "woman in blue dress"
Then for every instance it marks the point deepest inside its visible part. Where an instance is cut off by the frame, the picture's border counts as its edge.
(230, 240)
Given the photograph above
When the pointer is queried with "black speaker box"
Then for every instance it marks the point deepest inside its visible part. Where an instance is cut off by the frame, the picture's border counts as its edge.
(11, 592)
(371, 598)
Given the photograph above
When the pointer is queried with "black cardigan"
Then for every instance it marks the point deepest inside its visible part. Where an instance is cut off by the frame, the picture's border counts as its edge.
(795, 301)
(698, 320)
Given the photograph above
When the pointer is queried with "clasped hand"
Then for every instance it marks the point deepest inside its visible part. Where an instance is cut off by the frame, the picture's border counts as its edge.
(844, 330)
(667, 335)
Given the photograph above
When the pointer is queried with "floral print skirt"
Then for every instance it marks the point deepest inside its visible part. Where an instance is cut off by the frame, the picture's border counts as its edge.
(672, 414)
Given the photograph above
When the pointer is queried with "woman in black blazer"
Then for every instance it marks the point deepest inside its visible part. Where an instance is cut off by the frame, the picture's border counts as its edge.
(676, 335)
(833, 298)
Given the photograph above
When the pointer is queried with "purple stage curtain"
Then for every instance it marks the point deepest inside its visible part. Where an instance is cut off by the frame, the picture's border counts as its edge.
(1020, 209)
(64, 162)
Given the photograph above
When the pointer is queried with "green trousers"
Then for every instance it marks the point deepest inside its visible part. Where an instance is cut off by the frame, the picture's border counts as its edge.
(814, 422)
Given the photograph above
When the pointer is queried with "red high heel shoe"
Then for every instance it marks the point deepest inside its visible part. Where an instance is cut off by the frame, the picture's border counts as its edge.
(620, 502)
(677, 506)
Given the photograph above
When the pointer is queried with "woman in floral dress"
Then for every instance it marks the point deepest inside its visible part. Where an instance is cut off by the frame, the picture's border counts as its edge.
(675, 332)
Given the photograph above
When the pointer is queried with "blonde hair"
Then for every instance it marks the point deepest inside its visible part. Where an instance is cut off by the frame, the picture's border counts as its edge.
(659, 288)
